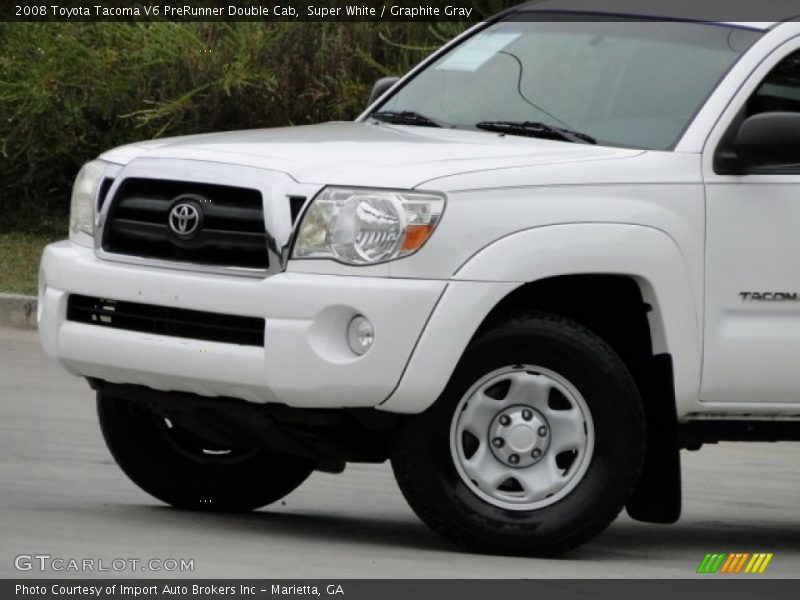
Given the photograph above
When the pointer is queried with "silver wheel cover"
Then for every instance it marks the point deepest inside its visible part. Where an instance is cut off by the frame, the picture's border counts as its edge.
(522, 438)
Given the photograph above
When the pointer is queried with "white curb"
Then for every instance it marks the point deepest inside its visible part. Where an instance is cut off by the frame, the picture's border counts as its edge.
(17, 311)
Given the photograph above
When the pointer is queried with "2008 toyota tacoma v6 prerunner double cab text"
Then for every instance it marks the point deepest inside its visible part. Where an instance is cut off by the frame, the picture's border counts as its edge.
(538, 266)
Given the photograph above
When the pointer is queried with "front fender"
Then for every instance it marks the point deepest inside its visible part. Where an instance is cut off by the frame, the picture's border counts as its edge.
(648, 255)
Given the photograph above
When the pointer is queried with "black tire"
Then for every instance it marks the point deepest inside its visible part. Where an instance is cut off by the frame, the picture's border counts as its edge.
(425, 468)
(175, 466)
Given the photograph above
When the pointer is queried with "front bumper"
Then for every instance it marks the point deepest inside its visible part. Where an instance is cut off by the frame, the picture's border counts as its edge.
(305, 360)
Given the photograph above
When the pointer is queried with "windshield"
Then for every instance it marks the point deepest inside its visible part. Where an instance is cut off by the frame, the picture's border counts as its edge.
(624, 83)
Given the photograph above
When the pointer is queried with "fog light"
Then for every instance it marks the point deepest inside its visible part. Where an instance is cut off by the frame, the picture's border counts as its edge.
(360, 335)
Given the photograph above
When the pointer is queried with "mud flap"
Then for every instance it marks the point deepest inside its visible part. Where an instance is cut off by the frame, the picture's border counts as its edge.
(657, 496)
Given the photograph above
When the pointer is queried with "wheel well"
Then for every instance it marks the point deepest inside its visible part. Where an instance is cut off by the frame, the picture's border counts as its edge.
(609, 305)
(612, 307)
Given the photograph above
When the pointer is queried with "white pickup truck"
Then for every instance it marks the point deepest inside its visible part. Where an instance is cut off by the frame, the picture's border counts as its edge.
(538, 266)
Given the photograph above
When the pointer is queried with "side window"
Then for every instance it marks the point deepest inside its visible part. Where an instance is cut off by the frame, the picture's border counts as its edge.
(780, 90)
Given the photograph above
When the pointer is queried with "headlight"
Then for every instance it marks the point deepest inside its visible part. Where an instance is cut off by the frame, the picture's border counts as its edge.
(363, 227)
(84, 197)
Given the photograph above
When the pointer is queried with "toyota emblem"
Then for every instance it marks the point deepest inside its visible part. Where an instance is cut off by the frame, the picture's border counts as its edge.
(184, 220)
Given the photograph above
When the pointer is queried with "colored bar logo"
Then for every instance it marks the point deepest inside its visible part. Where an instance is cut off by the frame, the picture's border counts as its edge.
(735, 563)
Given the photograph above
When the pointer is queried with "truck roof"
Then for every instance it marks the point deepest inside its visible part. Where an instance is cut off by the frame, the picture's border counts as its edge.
(761, 16)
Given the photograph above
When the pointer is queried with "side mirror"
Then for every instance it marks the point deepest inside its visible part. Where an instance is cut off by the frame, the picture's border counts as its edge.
(381, 87)
(769, 141)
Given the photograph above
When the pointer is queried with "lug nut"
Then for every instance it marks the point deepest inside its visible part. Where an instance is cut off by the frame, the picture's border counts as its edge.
(536, 453)
(542, 431)
(513, 459)
(498, 442)
(505, 420)
(527, 415)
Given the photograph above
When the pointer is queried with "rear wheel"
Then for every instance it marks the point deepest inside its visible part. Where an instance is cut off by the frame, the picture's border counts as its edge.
(175, 465)
(534, 446)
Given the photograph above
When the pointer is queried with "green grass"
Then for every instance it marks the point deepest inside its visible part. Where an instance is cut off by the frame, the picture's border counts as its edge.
(19, 260)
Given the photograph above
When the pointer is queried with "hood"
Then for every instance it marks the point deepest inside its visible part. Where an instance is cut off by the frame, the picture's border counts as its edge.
(368, 154)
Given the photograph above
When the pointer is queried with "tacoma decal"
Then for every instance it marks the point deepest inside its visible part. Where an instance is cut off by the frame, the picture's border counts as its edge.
(769, 296)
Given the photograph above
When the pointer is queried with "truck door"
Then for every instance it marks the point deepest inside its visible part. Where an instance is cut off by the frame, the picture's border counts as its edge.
(752, 305)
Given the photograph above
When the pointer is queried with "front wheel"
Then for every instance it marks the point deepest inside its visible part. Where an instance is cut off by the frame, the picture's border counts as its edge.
(534, 446)
(179, 467)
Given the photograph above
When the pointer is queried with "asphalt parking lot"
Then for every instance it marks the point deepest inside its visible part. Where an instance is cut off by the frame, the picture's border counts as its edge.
(62, 495)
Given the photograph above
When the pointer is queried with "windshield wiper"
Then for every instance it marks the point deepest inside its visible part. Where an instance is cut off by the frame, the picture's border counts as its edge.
(405, 117)
(538, 130)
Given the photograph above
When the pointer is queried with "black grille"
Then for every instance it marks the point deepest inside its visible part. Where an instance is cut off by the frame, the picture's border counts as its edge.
(231, 233)
(163, 320)
(105, 185)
